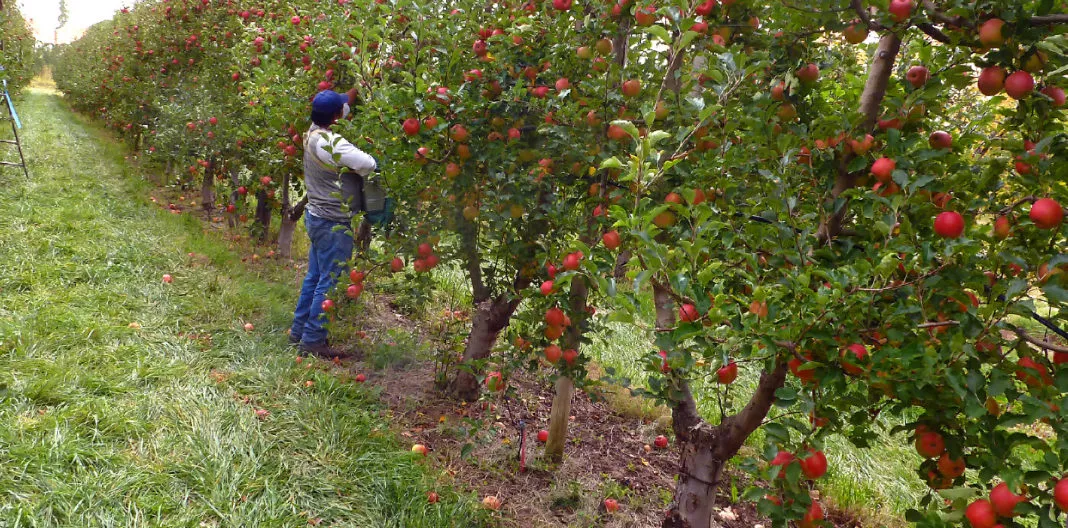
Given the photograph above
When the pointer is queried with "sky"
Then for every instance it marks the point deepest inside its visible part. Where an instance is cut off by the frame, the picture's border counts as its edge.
(83, 13)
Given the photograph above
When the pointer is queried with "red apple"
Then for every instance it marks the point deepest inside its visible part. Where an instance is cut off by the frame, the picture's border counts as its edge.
(727, 373)
(1046, 213)
(990, 33)
(572, 261)
(814, 515)
(328, 305)
(494, 381)
(900, 9)
(808, 73)
(480, 48)
(981, 514)
(1004, 500)
(660, 442)
(688, 313)
(991, 80)
(611, 240)
(1002, 227)
(1032, 373)
(556, 317)
(853, 365)
(949, 467)
(856, 32)
(553, 353)
(167, 278)
(354, 290)
(949, 224)
(940, 140)
(705, 8)
(918, 76)
(458, 133)
(432, 497)
(546, 287)
(645, 16)
(411, 126)
(883, 168)
(1055, 93)
(929, 444)
(1019, 85)
(815, 466)
(570, 355)
(562, 5)
(419, 448)
(543, 436)
(631, 88)
(611, 505)
(1060, 494)
(396, 265)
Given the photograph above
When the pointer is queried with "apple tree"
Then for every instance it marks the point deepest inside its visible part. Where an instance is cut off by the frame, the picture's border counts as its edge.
(17, 54)
(869, 227)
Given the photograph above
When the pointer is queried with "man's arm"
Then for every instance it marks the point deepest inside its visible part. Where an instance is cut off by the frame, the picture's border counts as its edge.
(345, 154)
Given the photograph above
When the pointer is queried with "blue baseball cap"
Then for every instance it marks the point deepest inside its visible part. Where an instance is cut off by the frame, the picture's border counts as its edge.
(328, 102)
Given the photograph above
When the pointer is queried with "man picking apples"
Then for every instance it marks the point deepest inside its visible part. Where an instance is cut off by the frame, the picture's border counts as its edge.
(333, 197)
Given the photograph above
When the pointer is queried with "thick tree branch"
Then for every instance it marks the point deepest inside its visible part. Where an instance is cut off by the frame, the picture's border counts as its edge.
(871, 100)
(1039, 342)
(736, 428)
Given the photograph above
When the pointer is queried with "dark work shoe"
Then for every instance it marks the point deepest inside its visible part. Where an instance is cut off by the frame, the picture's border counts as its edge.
(294, 341)
(324, 351)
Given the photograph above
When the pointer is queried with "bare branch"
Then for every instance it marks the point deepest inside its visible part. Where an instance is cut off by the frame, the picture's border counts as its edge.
(1048, 20)
(1008, 208)
(936, 324)
(1039, 342)
(934, 33)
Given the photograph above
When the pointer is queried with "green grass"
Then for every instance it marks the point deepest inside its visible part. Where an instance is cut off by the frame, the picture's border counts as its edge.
(104, 424)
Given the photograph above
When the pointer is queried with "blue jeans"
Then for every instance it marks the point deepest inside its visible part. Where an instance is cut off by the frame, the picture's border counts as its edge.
(328, 259)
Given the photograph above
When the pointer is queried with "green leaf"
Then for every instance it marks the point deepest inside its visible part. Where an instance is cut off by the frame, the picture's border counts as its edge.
(657, 136)
(659, 32)
(1055, 293)
(611, 163)
(955, 494)
(777, 432)
(627, 126)
(857, 164)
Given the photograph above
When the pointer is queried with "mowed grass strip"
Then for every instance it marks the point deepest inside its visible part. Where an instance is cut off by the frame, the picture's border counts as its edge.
(104, 424)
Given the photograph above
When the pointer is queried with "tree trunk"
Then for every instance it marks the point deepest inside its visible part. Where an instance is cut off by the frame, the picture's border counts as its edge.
(263, 213)
(560, 414)
(290, 217)
(695, 492)
(558, 419)
(490, 318)
(207, 189)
